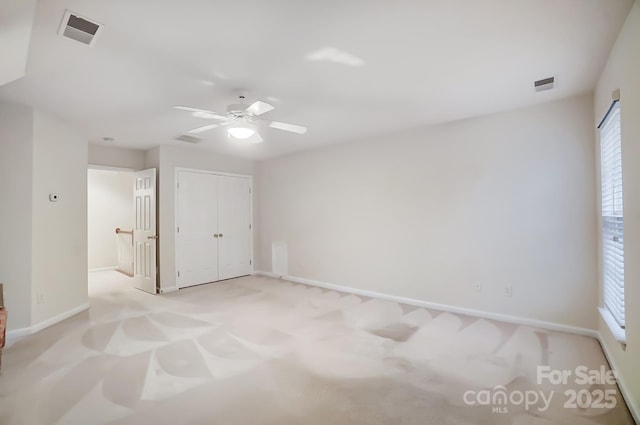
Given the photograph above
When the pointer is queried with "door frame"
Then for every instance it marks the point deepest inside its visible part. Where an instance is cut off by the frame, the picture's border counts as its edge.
(175, 212)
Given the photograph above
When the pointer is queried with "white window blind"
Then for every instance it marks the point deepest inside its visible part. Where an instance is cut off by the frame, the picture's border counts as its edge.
(612, 217)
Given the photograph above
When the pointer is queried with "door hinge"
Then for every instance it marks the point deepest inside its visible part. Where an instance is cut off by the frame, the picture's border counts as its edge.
(250, 262)
(178, 185)
(178, 273)
(249, 191)
(249, 226)
(178, 229)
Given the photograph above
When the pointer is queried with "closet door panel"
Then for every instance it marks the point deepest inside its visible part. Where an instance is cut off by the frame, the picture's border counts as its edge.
(197, 247)
(234, 220)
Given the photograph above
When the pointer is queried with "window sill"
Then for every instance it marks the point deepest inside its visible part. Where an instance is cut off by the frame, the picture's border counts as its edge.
(618, 333)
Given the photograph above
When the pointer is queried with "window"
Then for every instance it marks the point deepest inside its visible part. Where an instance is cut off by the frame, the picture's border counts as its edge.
(612, 217)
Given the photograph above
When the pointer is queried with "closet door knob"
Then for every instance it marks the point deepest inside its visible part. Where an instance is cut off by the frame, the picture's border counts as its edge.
(220, 235)
(215, 235)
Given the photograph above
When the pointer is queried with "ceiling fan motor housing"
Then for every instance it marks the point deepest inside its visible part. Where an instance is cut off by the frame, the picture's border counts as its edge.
(238, 110)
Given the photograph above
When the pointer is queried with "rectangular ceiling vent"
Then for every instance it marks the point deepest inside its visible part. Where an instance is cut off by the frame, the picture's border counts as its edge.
(79, 29)
(544, 84)
(188, 138)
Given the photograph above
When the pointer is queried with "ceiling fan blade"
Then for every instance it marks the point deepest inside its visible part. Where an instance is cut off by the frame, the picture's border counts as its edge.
(258, 108)
(288, 127)
(190, 109)
(201, 113)
(203, 128)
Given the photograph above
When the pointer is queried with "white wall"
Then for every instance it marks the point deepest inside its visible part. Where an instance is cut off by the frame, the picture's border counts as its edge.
(171, 157)
(59, 237)
(622, 71)
(43, 246)
(502, 200)
(16, 167)
(152, 158)
(112, 156)
(110, 205)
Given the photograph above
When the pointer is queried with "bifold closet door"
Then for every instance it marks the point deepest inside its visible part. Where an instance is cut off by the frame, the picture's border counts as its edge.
(234, 226)
(196, 245)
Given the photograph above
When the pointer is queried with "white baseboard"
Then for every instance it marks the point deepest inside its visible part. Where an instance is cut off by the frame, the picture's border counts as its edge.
(552, 326)
(168, 289)
(16, 334)
(103, 269)
(624, 389)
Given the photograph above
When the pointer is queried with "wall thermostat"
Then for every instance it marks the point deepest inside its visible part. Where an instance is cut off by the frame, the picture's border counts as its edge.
(53, 197)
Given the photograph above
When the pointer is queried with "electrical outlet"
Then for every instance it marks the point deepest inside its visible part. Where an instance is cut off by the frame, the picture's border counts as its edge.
(508, 291)
(39, 298)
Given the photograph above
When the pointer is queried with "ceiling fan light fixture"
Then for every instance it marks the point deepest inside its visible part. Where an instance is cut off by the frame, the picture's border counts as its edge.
(241, 131)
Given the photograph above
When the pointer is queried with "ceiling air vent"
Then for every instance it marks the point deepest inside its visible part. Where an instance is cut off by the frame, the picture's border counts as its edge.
(79, 29)
(544, 84)
(189, 139)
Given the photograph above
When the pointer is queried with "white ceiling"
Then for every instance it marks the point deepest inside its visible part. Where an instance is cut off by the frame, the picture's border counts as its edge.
(408, 63)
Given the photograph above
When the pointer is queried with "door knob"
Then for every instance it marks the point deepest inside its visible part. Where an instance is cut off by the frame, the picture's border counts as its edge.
(215, 235)
(152, 237)
(220, 235)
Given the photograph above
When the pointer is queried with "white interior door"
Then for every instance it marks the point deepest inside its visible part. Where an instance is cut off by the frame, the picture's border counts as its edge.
(234, 226)
(144, 231)
(197, 231)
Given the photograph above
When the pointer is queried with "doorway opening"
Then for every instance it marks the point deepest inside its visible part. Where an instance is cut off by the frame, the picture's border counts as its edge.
(110, 220)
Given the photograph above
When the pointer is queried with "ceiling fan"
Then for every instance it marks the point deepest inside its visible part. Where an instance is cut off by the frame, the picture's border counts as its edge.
(241, 120)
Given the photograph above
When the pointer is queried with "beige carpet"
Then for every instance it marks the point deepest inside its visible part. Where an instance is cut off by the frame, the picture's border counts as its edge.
(263, 351)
